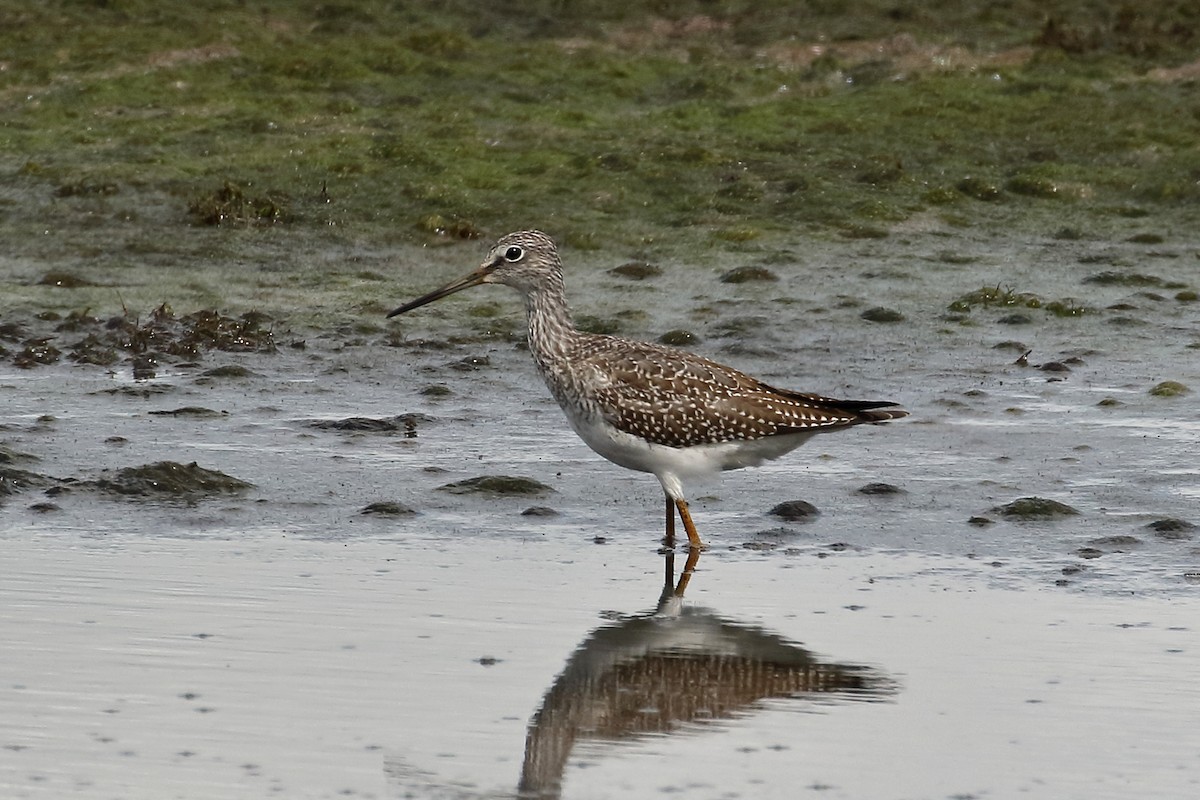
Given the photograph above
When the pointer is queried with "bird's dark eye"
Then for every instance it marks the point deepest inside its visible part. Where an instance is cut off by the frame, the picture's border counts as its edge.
(514, 253)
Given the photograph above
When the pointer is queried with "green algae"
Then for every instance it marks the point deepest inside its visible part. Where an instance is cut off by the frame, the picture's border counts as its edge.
(610, 123)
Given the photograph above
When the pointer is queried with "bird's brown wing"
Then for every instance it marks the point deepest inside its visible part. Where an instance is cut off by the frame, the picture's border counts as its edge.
(674, 398)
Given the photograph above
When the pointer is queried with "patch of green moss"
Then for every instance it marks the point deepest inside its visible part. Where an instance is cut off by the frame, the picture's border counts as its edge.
(612, 122)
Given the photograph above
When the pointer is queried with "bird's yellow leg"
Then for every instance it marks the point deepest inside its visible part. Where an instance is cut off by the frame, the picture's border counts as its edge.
(684, 515)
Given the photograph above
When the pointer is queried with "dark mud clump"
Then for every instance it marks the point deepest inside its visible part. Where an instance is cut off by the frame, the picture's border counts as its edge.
(1134, 279)
(1118, 543)
(1035, 508)
(229, 371)
(539, 511)
(881, 314)
(230, 204)
(406, 423)
(358, 425)
(471, 363)
(497, 485)
(199, 412)
(795, 511)
(452, 227)
(636, 271)
(437, 391)
(65, 280)
(13, 480)
(679, 338)
(978, 188)
(1172, 529)
(883, 489)
(10, 456)
(160, 337)
(996, 297)
(86, 187)
(1054, 366)
(170, 479)
(144, 391)
(606, 326)
(749, 275)
(1169, 389)
(387, 509)
(36, 353)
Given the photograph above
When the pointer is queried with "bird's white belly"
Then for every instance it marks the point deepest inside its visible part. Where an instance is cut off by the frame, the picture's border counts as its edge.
(633, 452)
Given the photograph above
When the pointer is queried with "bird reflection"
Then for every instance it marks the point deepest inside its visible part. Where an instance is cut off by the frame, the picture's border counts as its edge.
(677, 667)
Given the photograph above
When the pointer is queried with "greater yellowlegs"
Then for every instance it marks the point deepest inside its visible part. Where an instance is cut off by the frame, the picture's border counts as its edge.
(649, 407)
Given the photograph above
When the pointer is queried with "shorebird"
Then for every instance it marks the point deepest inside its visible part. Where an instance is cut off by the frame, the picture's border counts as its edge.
(649, 407)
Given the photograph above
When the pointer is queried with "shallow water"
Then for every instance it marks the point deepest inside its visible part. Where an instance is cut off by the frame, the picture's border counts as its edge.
(406, 667)
(282, 642)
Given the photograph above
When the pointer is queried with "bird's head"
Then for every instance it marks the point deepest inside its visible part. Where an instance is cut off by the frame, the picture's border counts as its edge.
(523, 260)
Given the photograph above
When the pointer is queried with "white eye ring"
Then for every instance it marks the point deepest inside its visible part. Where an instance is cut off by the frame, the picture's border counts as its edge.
(514, 254)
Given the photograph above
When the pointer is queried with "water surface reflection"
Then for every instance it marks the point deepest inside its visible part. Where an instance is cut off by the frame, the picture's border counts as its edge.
(675, 669)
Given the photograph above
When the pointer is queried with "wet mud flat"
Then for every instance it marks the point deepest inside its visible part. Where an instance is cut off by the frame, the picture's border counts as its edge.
(387, 566)
(1053, 410)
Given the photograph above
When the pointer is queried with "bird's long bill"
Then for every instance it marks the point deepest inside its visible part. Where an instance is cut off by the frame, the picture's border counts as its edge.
(474, 279)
